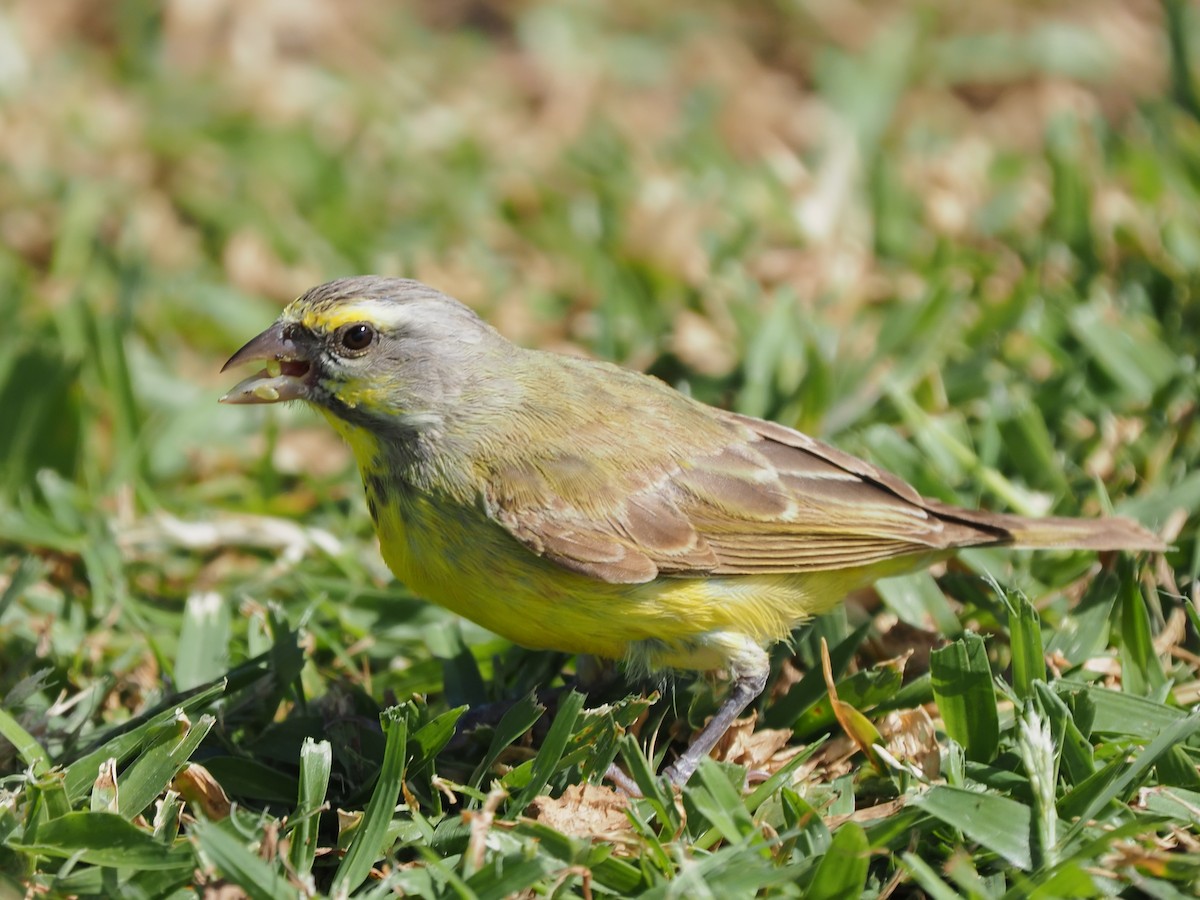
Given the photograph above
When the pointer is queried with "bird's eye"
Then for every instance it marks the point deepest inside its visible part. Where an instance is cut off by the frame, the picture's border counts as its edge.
(357, 338)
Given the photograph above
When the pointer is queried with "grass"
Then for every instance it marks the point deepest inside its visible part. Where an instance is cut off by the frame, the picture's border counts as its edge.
(965, 245)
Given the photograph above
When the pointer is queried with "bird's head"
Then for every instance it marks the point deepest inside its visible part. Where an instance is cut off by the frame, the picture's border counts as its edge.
(384, 354)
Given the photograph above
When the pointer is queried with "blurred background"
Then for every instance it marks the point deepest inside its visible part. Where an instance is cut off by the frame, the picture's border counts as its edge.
(960, 239)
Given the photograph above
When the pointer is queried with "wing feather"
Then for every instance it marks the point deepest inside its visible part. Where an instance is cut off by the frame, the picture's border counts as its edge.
(711, 492)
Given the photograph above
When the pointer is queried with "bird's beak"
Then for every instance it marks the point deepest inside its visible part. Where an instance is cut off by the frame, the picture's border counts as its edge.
(289, 372)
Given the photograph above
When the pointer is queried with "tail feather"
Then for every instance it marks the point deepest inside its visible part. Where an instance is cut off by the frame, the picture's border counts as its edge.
(1113, 533)
(1052, 532)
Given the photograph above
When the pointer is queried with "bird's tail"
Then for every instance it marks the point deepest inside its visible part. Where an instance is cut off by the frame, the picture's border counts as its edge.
(1056, 532)
(1114, 533)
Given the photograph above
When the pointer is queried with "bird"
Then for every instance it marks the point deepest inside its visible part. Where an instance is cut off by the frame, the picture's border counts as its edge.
(570, 504)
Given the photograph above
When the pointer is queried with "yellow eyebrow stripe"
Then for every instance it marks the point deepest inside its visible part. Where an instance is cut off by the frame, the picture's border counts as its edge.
(324, 319)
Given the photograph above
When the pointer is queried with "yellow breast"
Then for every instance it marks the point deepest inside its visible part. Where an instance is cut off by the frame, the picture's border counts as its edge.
(454, 555)
(458, 558)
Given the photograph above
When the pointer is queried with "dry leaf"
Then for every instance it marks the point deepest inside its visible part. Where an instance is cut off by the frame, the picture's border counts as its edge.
(764, 750)
(585, 810)
(910, 736)
(197, 786)
(106, 786)
(481, 821)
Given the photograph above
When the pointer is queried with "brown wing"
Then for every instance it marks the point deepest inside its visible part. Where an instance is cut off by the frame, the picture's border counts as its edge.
(837, 511)
(724, 494)
(606, 528)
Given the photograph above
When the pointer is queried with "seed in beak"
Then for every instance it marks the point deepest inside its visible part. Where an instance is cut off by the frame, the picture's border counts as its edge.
(265, 391)
(274, 367)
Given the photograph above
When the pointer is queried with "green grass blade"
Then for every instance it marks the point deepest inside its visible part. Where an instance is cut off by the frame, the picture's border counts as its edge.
(316, 761)
(842, 872)
(106, 839)
(1141, 671)
(809, 833)
(514, 723)
(656, 792)
(96, 881)
(367, 844)
(1128, 780)
(801, 697)
(26, 745)
(927, 879)
(1137, 362)
(711, 794)
(505, 877)
(1076, 756)
(149, 774)
(616, 875)
(1092, 792)
(227, 853)
(1025, 636)
(203, 640)
(551, 751)
(997, 823)
(766, 789)
(166, 818)
(429, 740)
(1120, 713)
(81, 773)
(962, 687)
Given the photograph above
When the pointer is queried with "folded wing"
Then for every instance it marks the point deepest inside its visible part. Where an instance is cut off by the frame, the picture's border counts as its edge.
(746, 497)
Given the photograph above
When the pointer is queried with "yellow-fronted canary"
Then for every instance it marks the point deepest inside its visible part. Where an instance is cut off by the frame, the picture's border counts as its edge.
(575, 505)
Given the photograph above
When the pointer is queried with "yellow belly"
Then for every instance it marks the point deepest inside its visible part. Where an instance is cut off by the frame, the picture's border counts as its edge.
(453, 555)
(456, 557)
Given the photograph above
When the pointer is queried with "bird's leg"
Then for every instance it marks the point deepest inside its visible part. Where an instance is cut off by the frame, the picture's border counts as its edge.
(749, 672)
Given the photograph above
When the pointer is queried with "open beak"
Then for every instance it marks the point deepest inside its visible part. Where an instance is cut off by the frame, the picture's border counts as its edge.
(289, 372)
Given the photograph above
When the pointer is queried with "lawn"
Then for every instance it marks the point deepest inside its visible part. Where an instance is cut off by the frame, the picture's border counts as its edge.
(959, 240)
